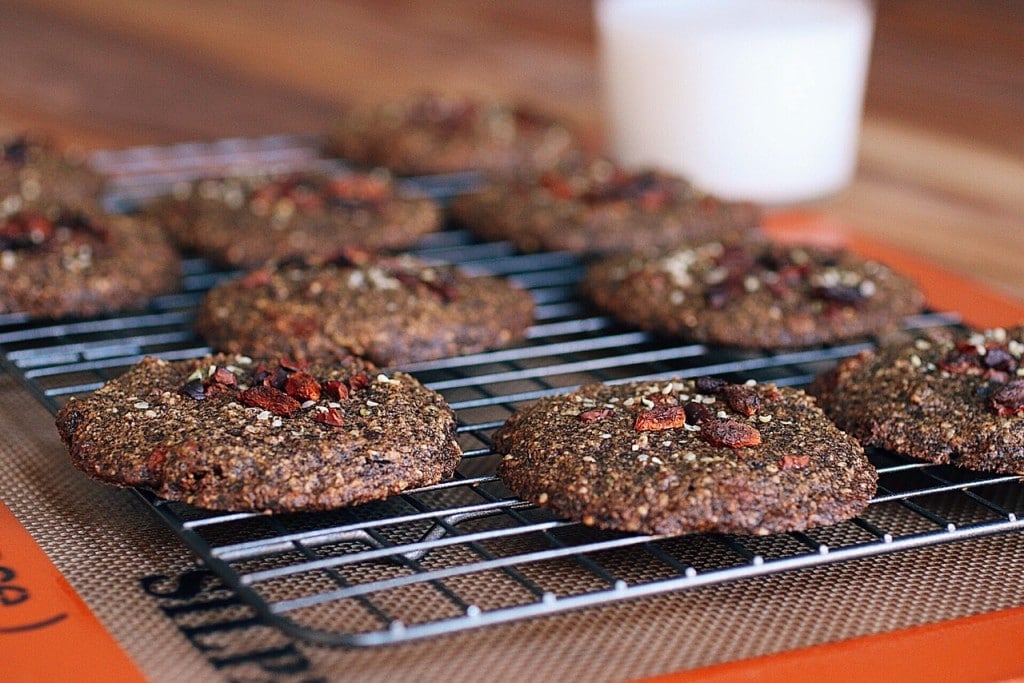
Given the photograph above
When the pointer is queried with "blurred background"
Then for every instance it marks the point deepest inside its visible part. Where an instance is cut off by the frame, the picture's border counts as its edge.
(942, 145)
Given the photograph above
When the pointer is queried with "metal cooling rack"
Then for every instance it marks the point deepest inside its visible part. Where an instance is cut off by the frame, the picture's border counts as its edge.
(465, 553)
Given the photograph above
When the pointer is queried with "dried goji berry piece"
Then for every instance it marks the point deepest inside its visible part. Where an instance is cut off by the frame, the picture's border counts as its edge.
(731, 433)
(358, 381)
(302, 386)
(331, 416)
(660, 418)
(269, 398)
(595, 414)
(335, 389)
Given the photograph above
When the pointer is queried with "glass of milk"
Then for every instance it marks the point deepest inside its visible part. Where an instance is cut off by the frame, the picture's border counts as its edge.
(750, 99)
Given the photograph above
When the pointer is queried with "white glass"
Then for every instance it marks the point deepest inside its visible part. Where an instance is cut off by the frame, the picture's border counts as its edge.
(750, 99)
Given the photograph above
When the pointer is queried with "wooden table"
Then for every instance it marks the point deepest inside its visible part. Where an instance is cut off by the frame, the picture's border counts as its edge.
(941, 172)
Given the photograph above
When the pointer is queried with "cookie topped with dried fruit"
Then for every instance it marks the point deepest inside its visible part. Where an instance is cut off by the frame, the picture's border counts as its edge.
(945, 397)
(600, 207)
(60, 260)
(685, 456)
(753, 295)
(227, 432)
(246, 222)
(435, 133)
(391, 309)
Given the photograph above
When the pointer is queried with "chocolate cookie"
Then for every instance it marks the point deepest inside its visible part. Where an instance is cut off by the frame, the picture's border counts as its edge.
(57, 261)
(392, 310)
(600, 208)
(753, 295)
(34, 171)
(228, 433)
(432, 133)
(945, 398)
(245, 222)
(685, 456)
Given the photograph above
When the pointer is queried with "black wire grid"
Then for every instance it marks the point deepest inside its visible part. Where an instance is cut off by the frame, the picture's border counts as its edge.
(465, 553)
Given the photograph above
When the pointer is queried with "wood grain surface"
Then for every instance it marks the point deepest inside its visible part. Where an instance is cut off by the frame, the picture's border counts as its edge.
(942, 148)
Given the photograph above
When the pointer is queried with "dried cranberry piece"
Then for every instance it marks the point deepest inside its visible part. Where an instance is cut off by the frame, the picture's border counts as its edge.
(262, 375)
(193, 389)
(998, 357)
(278, 380)
(730, 433)
(1009, 399)
(269, 398)
(963, 358)
(696, 413)
(710, 385)
(840, 294)
(742, 399)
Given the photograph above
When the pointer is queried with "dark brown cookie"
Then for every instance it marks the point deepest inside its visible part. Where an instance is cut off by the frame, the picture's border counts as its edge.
(685, 456)
(946, 398)
(246, 222)
(753, 295)
(228, 433)
(392, 310)
(57, 261)
(599, 207)
(433, 133)
(34, 171)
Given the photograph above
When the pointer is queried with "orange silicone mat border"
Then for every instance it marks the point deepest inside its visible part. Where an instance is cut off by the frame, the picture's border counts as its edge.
(975, 649)
(978, 305)
(47, 632)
